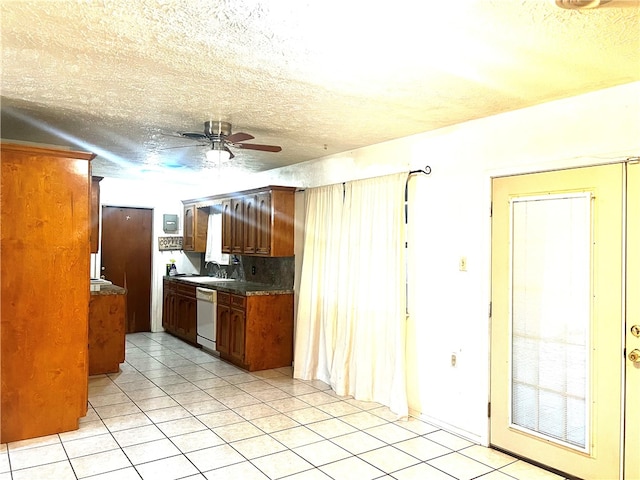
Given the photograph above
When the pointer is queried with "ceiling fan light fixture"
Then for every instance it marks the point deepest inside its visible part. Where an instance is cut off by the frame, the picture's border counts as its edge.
(218, 153)
(580, 4)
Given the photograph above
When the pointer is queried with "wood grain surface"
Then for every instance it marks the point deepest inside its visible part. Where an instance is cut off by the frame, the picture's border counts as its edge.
(45, 197)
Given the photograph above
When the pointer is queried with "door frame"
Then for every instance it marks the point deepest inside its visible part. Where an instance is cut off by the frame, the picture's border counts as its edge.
(508, 172)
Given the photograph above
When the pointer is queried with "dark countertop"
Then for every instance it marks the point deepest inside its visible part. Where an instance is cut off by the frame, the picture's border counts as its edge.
(232, 286)
(101, 289)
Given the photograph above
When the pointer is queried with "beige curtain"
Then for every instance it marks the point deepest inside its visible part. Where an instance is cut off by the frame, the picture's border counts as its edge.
(351, 313)
(317, 301)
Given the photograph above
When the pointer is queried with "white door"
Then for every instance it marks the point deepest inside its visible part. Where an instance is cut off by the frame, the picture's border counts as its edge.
(632, 327)
(557, 353)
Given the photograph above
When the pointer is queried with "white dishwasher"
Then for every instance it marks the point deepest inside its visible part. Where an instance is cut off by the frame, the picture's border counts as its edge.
(206, 302)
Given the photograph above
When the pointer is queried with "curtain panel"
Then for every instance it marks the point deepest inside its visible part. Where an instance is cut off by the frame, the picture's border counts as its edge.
(351, 318)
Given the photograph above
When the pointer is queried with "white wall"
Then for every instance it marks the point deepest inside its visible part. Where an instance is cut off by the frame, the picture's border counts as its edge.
(449, 310)
(162, 198)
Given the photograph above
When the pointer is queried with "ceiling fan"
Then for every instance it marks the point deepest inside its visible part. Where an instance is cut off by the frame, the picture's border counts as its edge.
(219, 136)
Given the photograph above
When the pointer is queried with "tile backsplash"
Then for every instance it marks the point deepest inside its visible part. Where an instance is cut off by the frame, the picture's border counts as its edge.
(276, 271)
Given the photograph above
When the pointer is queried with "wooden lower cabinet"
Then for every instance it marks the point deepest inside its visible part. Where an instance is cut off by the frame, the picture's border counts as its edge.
(255, 332)
(107, 325)
(179, 310)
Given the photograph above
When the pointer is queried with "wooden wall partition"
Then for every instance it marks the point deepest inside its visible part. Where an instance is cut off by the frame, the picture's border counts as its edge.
(44, 267)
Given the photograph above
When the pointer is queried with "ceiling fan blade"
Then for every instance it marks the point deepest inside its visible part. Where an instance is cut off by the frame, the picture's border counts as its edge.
(239, 137)
(193, 135)
(185, 146)
(256, 146)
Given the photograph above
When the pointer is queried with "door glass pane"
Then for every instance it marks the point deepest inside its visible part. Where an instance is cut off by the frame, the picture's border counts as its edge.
(550, 316)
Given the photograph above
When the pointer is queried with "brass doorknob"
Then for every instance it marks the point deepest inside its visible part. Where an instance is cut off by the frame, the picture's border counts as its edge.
(634, 355)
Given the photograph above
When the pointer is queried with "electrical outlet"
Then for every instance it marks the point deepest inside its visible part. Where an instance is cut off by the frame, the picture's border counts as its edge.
(462, 266)
(454, 359)
(253, 270)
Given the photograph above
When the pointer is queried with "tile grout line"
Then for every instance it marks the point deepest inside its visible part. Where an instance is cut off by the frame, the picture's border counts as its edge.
(191, 369)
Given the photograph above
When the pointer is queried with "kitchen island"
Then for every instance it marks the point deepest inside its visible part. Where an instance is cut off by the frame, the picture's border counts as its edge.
(107, 328)
(254, 321)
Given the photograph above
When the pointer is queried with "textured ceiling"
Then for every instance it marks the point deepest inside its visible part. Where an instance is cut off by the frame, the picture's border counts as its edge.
(118, 77)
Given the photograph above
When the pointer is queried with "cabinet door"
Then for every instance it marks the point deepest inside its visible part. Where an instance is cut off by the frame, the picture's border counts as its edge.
(191, 319)
(236, 225)
(173, 312)
(250, 224)
(166, 308)
(188, 228)
(263, 221)
(186, 320)
(227, 231)
(237, 328)
(200, 225)
(222, 329)
(181, 315)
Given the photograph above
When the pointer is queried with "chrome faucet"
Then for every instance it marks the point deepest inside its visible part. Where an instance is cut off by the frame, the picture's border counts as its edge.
(214, 263)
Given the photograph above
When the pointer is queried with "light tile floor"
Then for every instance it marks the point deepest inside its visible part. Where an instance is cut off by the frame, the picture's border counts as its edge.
(176, 412)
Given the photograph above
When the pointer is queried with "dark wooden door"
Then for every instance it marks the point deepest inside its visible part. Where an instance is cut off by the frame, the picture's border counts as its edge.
(126, 259)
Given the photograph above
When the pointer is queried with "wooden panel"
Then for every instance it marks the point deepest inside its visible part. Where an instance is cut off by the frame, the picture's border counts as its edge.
(95, 214)
(224, 298)
(179, 314)
(168, 297)
(263, 223)
(188, 230)
(223, 333)
(250, 224)
(237, 334)
(238, 301)
(185, 289)
(201, 227)
(269, 331)
(44, 270)
(127, 239)
(282, 208)
(107, 315)
(237, 227)
(227, 232)
(194, 232)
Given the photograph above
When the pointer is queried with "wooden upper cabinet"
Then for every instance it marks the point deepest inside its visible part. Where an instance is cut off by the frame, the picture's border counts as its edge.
(276, 210)
(237, 225)
(188, 227)
(250, 219)
(263, 223)
(259, 222)
(95, 214)
(194, 233)
(44, 271)
(254, 222)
